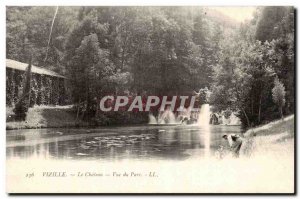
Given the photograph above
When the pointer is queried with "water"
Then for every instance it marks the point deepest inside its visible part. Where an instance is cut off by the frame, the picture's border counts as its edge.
(232, 120)
(204, 115)
(139, 142)
(168, 117)
(175, 153)
(117, 143)
(152, 119)
(165, 117)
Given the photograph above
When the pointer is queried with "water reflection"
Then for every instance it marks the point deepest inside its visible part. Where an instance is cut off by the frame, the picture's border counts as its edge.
(140, 142)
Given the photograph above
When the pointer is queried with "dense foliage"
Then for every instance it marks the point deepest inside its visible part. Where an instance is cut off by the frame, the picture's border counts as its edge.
(162, 51)
(260, 51)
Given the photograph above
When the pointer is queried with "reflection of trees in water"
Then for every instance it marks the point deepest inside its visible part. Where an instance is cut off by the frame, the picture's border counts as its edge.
(167, 137)
(173, 143)
(23, 151)
(168, 144)
(20, 151)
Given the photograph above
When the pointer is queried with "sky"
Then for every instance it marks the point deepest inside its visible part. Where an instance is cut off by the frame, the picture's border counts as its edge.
(240, 14)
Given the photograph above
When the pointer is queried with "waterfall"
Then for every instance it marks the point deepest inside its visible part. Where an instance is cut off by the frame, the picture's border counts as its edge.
(171, 118)
(203, 122)
(166, 117)
(231, 120)
(152, 119)
(204, 115)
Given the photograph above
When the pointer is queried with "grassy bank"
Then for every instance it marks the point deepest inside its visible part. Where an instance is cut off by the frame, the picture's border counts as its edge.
(65, 116)
(273, 139)
(45, 117)
(280, 126)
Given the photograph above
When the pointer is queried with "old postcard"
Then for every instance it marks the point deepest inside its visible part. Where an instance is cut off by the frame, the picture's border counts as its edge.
(150, 99)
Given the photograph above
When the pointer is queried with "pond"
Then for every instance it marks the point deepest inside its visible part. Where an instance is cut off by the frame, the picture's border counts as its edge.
(149, 142)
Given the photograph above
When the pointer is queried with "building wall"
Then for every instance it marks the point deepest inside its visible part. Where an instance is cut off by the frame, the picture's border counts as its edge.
(45, 90)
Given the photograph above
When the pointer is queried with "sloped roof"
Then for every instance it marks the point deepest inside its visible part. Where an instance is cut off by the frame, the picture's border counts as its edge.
(35, 69)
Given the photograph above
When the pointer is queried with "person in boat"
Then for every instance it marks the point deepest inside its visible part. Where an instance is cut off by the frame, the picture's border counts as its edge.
(235, 143)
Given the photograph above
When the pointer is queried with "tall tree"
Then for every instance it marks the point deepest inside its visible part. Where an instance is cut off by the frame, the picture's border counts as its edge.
(278, 94)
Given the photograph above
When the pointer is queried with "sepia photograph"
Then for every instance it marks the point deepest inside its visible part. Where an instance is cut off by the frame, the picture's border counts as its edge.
(150, 99)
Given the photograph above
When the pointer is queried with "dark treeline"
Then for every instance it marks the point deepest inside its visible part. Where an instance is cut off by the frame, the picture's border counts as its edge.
(163, 51)
(255, 72)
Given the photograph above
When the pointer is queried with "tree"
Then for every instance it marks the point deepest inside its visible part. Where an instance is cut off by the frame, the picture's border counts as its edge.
(23, 102)
(247, 65)
(276, 24)
(267, 25)
(89, 66)
(278, 94)
(28, 29)
(231, 79)
(162, 51)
